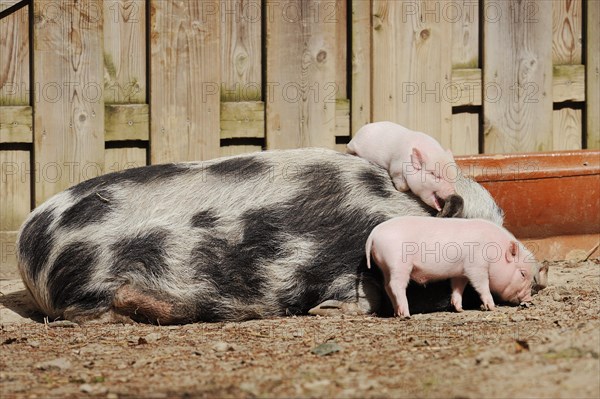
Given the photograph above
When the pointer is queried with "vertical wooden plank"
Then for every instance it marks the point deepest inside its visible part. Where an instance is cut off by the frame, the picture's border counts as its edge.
(360, 98)
(518, 77)
(241, 50)
(15, 197)
(340, 14)
(301, 60)
(592, 75)
(566, 129)
(185, 80)
(117, 159)
(566, 32)
(464, 17)
(412, 64)
(465, 134)
(69, 112)
(124, 51)
(14, 62)
(230, 150)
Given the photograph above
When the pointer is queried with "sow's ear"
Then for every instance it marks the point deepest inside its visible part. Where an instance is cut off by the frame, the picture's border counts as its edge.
(511, 252)
(417, 159)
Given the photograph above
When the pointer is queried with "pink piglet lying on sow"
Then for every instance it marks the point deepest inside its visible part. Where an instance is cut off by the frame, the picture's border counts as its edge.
(414, 160)
(427, 249)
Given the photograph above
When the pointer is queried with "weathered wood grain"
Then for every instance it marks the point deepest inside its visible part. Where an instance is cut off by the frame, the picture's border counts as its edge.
(126, 122)
(4, 4)
(15, 196)
(592, 73)
(117, 159)
(186, 75)
(518, 114)
(241, 50)
(361, 64)
(14, 58)
(412, 65)
(242, 119)
(464, 17)
(301, 88)
(566, 32)
(69, 117)
(568, 83)
(338, 11)
(465, 134)
(566, 129)
(16, 124)
(342, 118)
(466, 88)
(124, 51)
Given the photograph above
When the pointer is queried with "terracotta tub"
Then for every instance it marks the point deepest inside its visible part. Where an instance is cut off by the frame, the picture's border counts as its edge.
(551, 200)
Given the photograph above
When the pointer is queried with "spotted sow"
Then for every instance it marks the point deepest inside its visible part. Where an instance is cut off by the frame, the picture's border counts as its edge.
(253, 236)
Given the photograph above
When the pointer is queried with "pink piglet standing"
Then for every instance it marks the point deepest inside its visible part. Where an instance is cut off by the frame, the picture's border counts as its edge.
(426, 249)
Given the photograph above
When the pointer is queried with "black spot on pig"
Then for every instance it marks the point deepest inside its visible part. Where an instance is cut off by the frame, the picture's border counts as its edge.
(141, 175)
(318, 214)
(237, 268)
(204, 219)
(91, 209)
(243, 168)
(69, 277)
(145, 253)
(36, 242)
(377, 183)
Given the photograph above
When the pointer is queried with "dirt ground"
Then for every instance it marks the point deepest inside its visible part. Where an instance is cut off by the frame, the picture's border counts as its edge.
(549, 350)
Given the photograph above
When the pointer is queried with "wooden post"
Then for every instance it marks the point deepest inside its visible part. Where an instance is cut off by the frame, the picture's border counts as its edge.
(517, 76)
(412, 66)
(301, 82)
(68, 85)
(185, 80)
(360, 97)
(592, 68)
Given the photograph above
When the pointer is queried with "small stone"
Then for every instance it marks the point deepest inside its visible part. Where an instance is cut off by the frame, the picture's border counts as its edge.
(86, 388)
(223, 347)
(58, 364)
(152, 337)
(326, 349)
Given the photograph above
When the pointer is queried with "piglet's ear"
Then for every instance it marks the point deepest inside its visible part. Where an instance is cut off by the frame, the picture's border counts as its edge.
(417, 159)
(511, 252)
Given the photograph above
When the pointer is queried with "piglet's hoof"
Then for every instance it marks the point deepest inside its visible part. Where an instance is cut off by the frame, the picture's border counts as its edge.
(333, 307)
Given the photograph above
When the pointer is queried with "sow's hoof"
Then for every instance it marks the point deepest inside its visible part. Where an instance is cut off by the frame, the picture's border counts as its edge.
(453, 207)
(335, 308)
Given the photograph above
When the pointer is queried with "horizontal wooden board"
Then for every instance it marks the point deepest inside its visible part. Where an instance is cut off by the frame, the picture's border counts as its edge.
(126, 122)
(242, 119)
(16, 124)
(568, 84)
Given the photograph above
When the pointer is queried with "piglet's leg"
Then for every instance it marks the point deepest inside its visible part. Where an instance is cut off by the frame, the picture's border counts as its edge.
(458, 287)
(480, 280)
(398, 279)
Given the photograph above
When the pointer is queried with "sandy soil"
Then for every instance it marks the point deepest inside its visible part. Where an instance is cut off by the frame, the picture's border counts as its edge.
(548, 350)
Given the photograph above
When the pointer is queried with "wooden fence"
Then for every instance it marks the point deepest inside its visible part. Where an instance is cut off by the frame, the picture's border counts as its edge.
(91, 86)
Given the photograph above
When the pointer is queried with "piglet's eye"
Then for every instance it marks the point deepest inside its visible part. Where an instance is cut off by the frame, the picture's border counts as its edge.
(523, 274)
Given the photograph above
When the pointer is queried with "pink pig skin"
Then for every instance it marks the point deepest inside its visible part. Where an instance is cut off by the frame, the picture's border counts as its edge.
(427, 249)
(414, 160)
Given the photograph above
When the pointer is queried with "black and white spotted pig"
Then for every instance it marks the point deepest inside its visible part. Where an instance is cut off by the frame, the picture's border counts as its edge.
(252, 236)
